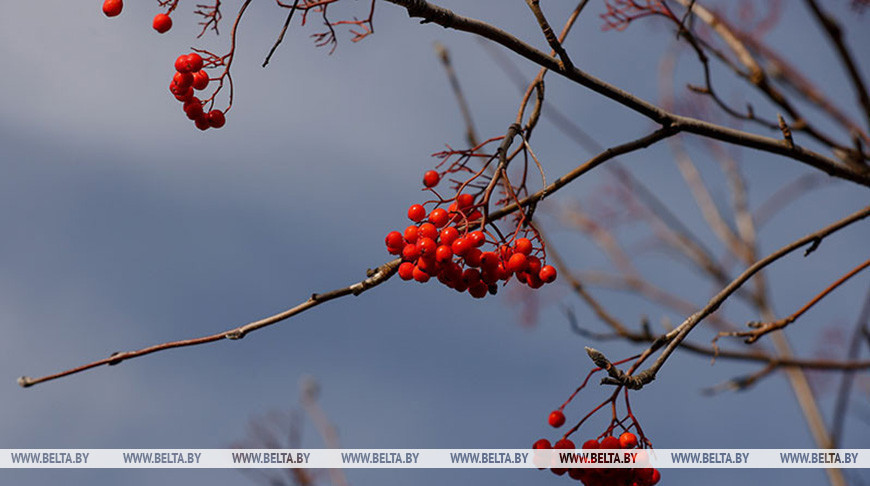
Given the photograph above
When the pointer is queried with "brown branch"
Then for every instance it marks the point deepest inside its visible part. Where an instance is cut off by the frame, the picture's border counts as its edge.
(555, 44)
(375, 278)
(760, 329)
(448, 19)
(678, 334)
(835, 33)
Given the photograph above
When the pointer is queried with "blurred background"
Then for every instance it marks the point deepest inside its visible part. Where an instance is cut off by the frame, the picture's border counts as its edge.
(124, 226)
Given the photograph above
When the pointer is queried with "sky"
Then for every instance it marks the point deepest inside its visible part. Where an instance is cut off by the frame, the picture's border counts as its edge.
(124, 227)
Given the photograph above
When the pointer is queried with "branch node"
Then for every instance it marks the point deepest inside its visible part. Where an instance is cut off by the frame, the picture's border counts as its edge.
(786, 131)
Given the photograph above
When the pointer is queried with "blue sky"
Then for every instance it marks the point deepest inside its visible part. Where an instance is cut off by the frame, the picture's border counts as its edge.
(124, 226)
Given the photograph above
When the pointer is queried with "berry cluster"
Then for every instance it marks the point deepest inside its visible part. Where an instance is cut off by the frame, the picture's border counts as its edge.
(603, 476)
(162, 22)
(189, 76)
(439, 244)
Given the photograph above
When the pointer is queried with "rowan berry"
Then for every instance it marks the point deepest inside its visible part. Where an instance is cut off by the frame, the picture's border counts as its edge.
(216, 118)
(464, 201)
(478, 290)
(426, 245)
(420, 275)
(406, 271)
(489, 261)
(188, 63)
(547, 274)
(411, 252)
(200, 80)
(428, 230)
(556, 419)
(182, 80)
(591, 444)
(563, 444)
(438, 217)
(443, 253)
(472, 257)
(394, 240)
(431, 178)
(517, 263)
(627, 440)
(416, 213)
(448, 235)
(477, 238)
(610, 442)
(162, 23)
(112, 7)
(202, 123)
(460, 246)
(523, 245)
(542, 444)
(411, 234)
(193, 108)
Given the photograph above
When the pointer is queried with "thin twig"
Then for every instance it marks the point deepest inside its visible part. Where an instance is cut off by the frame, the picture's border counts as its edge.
(376, 277)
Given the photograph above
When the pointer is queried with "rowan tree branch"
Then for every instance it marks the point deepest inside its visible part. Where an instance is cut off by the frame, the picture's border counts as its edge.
(448, 19)
(375, 278)
(671, 341)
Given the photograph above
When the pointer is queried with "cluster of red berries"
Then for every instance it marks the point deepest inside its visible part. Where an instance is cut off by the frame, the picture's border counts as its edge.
(189, 76)
(162, 22)
(646, 476)
(435, 247)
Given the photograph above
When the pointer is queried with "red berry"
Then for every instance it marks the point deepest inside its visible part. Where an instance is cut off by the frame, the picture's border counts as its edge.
(610, 442)
(202, 123)
(534, 281)
(556, 419)
(181, 64)
(443, 253)
(547, 274)
(523, 245)
(200, 80)
(431, 178)
(448, 235)
(193, 108)
(188, 63)
(563, 444)
(162, 23)
(464, 201)
(627, 440)
(542, 444)
(182, 80)
(478, 290)
(426, 246)
(489, 261)
(517, 263)
(477, 238)
(472, 257)
(216, 118)
(460, 246)
(428, 264)
(647, 476)
(416, 213)
(411, 252)
(112, 7)
(411, 234)
(394, 240)
(420, 275)
(534, 265)
(406, 271)
(590, 444)
(428, 230)
(471, 276)
(194, 62)
(438, 217)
